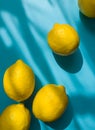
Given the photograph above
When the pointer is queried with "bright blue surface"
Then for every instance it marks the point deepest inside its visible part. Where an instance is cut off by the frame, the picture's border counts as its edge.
(24, 25)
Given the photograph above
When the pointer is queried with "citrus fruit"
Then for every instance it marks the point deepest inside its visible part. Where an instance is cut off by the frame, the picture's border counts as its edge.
(87, 7)
(19, 81)
(63, 39)
(15, 117)
(50, 102)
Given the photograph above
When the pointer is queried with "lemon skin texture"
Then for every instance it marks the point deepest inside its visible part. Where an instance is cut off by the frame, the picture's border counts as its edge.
(50, 103)
(63, 39)
(87, 7)
(19, 81)
(15, 117)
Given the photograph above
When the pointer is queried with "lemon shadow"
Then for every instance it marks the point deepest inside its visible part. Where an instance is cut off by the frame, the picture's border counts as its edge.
(72, 63)
(35, 125)
(89, 23)
(64, 120)
(38, 85)
(86, 29)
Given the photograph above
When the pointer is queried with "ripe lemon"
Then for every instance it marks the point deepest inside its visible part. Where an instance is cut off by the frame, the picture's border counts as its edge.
(15, 117)
(63, 39)
(19, 81)
(50, 103)
(87, 7)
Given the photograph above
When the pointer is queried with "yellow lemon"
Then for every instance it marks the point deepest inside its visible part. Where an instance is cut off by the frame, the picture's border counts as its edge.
(15, 117)
(50, 102)
(63, 39)
(19, 81)
(87, 7)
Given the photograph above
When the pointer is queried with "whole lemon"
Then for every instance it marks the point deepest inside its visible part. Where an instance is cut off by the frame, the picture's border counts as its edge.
(87, 7)
(15, 117)
(50, 102)
(19, 81)
(63, 39)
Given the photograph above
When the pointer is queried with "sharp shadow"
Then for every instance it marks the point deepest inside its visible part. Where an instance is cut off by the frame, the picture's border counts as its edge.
(64, 120)
(86, 29)
(38, 85)
(28, 103)
(34, 125)
(72, 63)
(89, 23)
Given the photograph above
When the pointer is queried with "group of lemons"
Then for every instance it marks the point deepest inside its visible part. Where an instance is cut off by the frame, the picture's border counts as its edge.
(51, 100)
(48, 104)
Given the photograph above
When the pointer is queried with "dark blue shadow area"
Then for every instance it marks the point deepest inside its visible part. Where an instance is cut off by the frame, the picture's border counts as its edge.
(71, 63)
(86, 29)
(89, 23)
(83, 105)
(28, 103)
(28, 37)
(35, 125)
(64, 120)
(38, 85)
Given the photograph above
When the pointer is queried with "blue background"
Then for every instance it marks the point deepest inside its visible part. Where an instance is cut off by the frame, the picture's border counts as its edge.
(24, 25)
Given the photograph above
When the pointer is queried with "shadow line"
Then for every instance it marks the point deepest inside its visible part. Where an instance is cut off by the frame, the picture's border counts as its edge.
(72, 63)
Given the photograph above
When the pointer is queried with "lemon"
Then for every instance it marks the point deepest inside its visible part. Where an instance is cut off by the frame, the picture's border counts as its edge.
(63, 39)
(15, 117)
(19, 81)
(50, 102)
(87, 7)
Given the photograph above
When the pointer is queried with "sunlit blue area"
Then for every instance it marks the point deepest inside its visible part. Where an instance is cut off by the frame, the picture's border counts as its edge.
(24, 25)
(6, 39)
